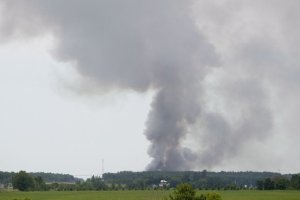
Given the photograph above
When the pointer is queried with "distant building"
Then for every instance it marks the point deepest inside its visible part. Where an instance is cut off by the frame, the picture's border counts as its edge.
(163, 184)
(1, 186)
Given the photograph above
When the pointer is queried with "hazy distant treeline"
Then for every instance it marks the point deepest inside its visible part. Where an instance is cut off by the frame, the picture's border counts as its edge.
(201, 179)
(7, 177)
(128, 180)
(279, 183)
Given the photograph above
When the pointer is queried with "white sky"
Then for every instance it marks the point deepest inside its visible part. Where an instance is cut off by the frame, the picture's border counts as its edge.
(45, 126)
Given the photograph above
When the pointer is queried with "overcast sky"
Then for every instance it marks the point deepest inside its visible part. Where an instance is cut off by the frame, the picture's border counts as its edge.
(159, 85)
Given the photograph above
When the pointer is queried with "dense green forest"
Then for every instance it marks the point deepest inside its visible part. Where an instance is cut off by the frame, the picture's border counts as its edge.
(6, 177)
(199, 179)
(127, 180)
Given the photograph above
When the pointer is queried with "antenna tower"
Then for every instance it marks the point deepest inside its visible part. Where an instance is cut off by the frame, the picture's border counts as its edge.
(102, 167)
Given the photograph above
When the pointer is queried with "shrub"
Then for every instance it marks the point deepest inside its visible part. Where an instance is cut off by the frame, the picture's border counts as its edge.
(183, 192)
(187, 192)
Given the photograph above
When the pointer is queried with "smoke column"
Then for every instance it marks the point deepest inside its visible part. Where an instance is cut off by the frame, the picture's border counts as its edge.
(138, 45)
(163, 45)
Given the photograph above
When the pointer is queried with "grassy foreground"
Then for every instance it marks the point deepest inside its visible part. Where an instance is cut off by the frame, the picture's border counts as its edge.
(145, 195)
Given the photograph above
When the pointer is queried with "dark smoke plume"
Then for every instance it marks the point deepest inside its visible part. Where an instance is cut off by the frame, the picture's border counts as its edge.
(163, 45)
(140, 45)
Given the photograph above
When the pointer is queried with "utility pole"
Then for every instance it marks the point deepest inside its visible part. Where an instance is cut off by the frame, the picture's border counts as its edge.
(102, 168)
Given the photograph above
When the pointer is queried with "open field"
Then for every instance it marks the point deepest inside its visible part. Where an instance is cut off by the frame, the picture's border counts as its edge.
(145, 195)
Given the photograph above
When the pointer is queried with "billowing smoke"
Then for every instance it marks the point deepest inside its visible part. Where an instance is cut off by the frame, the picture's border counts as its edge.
(210, 63)
(138, 45)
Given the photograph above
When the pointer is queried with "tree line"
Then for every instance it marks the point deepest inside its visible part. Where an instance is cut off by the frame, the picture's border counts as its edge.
(198, 179)
(24, 181)
(127, 180)
(279, 183)
(6, 177)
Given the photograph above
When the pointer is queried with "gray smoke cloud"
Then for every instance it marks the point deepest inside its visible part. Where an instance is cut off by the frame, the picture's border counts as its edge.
(138, 45)
(173, 47)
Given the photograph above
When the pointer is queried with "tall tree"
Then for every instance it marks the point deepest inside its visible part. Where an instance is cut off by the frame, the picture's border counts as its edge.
(269, 184)
(23, 181)
(295, 181)
(39, 184)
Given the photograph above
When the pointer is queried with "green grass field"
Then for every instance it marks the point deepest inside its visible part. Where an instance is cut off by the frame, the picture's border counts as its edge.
(145, 195)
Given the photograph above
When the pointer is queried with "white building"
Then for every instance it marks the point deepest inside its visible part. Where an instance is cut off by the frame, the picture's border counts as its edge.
(163, 184)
